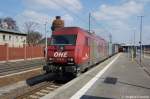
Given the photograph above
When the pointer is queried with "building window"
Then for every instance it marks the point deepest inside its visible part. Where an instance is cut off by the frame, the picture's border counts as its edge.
(24, 41)
(4, 37)
(17, 38)
(9, 37)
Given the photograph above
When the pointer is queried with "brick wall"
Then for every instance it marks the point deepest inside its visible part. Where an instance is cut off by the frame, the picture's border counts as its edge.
(14, 53)
(3, 52)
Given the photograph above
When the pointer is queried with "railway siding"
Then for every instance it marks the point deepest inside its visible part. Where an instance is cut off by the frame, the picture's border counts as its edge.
(12, 72)
(13, 78)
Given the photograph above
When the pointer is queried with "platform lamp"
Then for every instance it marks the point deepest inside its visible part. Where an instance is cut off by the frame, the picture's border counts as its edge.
(140, 42)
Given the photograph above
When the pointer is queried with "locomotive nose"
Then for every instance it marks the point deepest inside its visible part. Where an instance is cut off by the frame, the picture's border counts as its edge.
(61, 54)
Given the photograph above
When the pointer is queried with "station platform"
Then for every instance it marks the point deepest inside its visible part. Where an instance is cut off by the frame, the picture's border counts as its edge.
(116, 78)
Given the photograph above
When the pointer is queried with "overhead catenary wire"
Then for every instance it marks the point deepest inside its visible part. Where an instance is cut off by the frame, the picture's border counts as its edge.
(80, 18)
(108, 33)
(69, 11)
(104, 28)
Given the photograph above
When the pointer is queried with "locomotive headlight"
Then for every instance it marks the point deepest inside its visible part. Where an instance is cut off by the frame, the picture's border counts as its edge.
(50, 59)
(70, 59)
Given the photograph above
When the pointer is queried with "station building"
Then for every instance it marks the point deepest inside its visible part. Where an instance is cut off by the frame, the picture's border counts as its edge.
(12, 38)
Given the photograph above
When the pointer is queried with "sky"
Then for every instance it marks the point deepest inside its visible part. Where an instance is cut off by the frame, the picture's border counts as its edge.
(120, 18)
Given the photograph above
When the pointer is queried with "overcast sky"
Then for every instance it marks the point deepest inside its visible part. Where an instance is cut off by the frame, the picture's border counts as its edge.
(118, 17)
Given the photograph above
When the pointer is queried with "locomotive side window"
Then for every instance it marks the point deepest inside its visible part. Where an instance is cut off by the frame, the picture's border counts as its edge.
(86, 41)
(89, 41)
(64, 39)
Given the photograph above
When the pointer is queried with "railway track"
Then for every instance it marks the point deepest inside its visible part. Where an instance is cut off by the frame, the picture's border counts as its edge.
(8, 68)
(34, 92)
(40, 91)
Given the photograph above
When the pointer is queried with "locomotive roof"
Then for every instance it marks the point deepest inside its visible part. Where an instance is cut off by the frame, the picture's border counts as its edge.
(80, 29)
(74, 28)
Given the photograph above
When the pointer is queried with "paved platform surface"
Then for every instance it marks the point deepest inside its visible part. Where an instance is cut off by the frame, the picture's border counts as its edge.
(132, 82)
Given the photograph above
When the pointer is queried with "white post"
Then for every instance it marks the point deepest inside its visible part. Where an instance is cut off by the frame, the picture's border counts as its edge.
(45, 41)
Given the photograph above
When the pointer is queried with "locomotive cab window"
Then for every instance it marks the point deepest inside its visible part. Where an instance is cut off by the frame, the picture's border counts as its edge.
(63, 39)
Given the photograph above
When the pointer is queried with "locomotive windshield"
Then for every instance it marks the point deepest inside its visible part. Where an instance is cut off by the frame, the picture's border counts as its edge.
(63, 40)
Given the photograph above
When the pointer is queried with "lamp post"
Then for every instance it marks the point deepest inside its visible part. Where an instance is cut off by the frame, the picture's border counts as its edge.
(140, 42)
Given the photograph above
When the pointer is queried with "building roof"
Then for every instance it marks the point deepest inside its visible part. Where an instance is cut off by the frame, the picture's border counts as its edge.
(12, 32)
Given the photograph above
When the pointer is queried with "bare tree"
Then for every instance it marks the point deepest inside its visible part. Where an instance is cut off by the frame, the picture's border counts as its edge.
(30, 26)
(33, 38)
(11, 23)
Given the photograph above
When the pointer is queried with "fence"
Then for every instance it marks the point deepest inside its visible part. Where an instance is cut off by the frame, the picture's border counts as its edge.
(16, 53)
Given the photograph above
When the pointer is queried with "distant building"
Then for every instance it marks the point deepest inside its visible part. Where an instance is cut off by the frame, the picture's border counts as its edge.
(12, 38)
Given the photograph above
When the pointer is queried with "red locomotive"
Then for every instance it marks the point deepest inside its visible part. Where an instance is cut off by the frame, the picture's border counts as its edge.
(73, 50)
